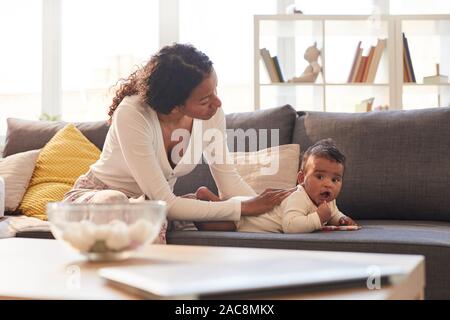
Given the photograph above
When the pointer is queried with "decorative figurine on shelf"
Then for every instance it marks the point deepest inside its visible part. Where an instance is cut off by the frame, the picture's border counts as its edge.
(438, 78)
(381, 108)
(292, 9)
(311, 72)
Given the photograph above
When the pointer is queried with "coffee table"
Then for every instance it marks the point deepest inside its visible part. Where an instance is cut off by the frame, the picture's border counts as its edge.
(47, 269)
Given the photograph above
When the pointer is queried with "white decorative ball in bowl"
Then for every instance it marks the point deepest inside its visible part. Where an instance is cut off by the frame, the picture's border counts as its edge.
(105, 232)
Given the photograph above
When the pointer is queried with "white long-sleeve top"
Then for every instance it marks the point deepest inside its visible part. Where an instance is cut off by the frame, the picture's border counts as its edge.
(134, 160)
(296, 214)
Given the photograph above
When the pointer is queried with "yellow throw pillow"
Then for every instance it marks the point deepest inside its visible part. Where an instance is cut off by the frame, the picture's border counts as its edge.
(64, 158)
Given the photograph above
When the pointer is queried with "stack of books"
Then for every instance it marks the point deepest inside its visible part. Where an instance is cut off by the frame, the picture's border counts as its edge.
(272, 66)
(408, 70)
(364, 67)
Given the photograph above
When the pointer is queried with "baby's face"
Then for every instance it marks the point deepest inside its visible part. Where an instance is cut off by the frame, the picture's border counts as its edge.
(322, 179)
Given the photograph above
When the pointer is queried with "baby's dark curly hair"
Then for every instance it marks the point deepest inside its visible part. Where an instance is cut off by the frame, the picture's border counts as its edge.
(167, 80)
(325, 148)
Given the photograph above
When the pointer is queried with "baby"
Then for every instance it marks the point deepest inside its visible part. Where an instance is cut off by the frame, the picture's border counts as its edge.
(310, 207)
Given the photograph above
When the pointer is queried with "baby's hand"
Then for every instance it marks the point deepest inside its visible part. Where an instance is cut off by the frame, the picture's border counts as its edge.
(324, 212)
(347, 221)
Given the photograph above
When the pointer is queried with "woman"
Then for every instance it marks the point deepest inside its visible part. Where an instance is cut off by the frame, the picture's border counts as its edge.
(146, 148)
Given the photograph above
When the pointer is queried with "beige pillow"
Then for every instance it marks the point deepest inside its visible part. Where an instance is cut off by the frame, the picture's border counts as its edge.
(17, 170)
(274, 167)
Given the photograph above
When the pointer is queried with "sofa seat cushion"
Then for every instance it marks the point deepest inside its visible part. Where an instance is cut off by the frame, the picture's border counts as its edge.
(427, 238)
(373, 232)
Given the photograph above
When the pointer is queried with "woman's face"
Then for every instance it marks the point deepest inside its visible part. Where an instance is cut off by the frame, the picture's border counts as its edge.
(203, 101)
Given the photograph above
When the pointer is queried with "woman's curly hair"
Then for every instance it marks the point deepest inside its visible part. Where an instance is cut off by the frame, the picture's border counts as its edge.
(167, 80)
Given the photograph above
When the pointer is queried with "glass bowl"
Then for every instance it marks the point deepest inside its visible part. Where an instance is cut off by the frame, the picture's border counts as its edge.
(106, 232)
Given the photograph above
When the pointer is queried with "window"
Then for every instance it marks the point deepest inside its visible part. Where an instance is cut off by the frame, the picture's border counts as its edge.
(324, 7)
(419, 7)
(223, 30)
(102, 41)
(20, 63)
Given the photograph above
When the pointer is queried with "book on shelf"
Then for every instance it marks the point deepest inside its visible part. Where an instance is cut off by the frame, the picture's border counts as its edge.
(278, 68)
(364, 67)
(375, 61)
(367, 65)
(407, 60)
(270, 65)
(406, 74)
(358, 54)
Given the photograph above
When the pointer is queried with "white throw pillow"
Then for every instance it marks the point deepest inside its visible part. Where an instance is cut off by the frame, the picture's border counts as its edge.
(274, 167)
(2, 197)
(17, 170)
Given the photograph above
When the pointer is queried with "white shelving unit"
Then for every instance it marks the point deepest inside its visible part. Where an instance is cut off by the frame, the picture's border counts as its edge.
(288, 36)
(429, 42)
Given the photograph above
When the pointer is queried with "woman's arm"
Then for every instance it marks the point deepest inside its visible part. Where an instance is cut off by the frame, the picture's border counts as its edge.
(135, 138)
(229, 182)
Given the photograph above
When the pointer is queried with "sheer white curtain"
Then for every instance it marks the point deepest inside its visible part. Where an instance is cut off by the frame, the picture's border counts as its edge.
(102, 41)
(20, 60)
(335, 7)
(419, 7)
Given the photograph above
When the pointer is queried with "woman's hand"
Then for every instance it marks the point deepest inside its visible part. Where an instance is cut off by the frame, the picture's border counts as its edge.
(264, 202)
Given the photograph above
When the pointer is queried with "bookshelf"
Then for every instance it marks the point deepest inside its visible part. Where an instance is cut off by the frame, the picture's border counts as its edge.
(337, 36)
(429, 42)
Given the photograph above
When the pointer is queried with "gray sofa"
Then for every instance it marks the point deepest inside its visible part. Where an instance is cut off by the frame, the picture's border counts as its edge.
(395, 185)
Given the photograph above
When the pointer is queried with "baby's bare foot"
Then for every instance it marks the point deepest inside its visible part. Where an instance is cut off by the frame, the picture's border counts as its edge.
(203, 193)
(137, 200)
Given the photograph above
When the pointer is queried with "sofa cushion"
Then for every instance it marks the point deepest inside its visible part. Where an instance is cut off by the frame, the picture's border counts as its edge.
(258, 169)
(431, 239)
(275, 167)
(281, 118)
(24, 135)
(397, 161)
(64, 158)
(17, 170)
